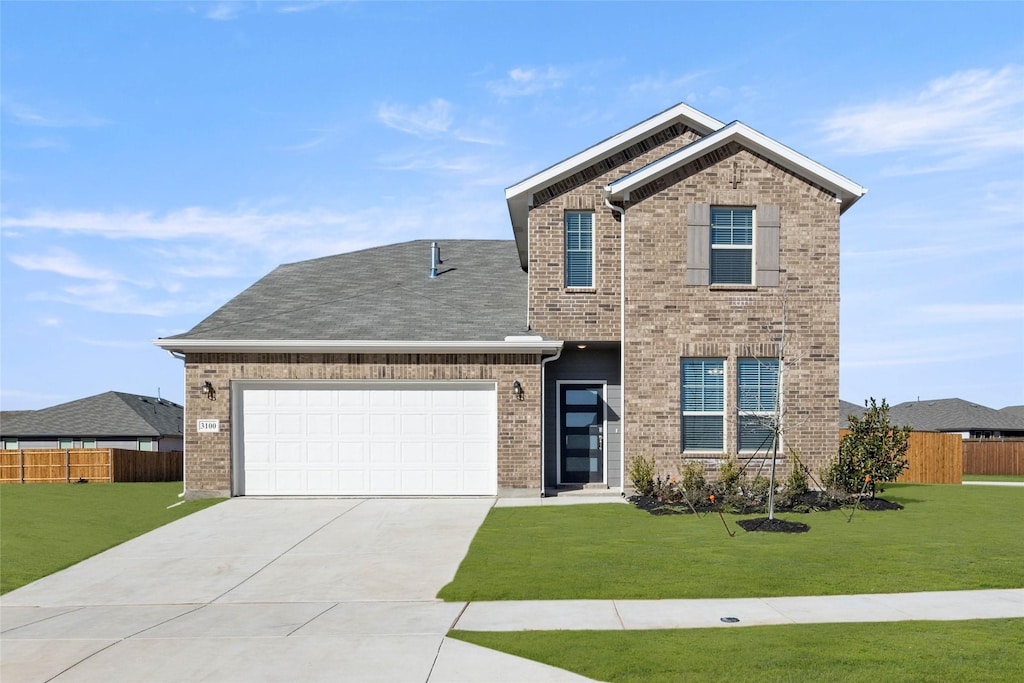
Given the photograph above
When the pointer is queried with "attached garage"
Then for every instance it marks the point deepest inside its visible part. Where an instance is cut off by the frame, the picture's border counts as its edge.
(365, 438)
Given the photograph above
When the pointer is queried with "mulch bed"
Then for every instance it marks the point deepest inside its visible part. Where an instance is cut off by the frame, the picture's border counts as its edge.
(810, 501)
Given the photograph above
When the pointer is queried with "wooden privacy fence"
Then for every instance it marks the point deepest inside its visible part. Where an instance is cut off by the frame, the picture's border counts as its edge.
(54, 465)
(934, 458)
(994, 456)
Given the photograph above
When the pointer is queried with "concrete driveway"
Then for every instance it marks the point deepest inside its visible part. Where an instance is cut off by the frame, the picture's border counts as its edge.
(263, 590)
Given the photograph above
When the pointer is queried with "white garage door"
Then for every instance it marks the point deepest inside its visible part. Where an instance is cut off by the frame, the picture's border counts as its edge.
(370, 439)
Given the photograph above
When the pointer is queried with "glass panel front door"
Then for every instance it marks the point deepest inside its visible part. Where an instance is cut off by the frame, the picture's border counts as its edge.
(581, 428)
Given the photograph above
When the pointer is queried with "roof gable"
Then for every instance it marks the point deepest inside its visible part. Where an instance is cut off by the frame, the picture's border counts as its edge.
(519, 196)
(845, 190)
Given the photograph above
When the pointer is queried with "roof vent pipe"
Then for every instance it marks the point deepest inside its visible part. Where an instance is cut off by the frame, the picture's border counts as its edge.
(435, 258)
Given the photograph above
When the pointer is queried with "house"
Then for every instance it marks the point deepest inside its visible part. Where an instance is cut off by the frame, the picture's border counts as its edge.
(639, 310)
(957, 415)
(110, 420)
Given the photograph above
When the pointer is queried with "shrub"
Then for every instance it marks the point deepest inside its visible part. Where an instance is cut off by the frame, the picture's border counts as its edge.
(729, 477)
(693, 482)
(873, 448)
(641, 475)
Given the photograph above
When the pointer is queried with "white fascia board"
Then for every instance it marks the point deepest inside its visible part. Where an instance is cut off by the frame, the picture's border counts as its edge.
(518, 196)
(681, 112)
(843, 187)
(509, 345)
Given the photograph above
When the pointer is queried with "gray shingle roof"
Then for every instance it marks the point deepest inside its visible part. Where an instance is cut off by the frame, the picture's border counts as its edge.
(846, 409)
(383, 293)
(104, 415)
(952, 415)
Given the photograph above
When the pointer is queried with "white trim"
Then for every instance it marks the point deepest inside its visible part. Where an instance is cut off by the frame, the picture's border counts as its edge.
(723, 413)
(565, 250)
(680, 112)
(845, 189)
(510, 345)
(519, 197)
(558, 427)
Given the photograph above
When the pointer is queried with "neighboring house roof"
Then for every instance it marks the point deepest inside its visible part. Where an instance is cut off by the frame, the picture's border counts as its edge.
(1013, 411)
(952, 415)
(112, 414)
(846, 191)
(846, 409)
(518, 196)
(375, 299)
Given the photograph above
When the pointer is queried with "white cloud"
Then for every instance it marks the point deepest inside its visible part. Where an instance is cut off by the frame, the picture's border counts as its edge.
(653, 85)
(224, 11)
(428, 120)
(302, 7)
(526, 81)
(974, 313)
(54, 116)
(302, 146)
(63, 262)
(958, 120)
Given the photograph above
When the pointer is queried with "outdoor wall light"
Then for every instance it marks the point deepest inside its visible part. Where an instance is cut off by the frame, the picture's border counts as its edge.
(517, 390)
(208, 391)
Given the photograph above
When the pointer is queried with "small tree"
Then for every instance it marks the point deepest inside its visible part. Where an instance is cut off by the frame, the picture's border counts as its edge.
(873, 448)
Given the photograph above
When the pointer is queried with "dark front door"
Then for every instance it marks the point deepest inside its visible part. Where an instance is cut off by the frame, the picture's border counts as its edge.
(581, 428)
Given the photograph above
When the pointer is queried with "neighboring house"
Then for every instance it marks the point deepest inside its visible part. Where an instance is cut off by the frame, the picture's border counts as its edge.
(846, 409)
(110, 420)
(956, 415)
(638, 312)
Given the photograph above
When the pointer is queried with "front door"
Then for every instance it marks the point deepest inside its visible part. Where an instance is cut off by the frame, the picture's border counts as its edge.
(581, 430)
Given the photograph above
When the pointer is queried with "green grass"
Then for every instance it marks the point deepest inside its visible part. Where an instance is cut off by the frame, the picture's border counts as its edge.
(993, 477)
(47, 527)
(948, 538)
(980, 650)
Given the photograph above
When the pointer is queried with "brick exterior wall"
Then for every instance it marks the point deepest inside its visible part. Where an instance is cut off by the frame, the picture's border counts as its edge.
(592, 313)
(667, 320)
(208, 455)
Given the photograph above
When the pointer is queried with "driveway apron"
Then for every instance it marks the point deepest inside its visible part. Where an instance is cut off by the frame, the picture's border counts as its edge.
(259, 589)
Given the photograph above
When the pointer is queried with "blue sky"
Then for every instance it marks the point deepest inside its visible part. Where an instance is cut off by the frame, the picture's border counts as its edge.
(158, 158)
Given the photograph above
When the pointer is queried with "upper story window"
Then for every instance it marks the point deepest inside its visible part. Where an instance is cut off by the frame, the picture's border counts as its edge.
(732, 246)
(579, 249)
(703, 398)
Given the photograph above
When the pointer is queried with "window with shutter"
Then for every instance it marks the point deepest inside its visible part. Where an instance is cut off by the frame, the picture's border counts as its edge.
(721, 244)
(579, 249)
(702, 388)
(756, 397)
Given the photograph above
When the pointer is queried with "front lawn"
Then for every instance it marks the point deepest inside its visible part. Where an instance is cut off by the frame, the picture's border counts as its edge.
(979, 650)
(947, 538)
(47, 527)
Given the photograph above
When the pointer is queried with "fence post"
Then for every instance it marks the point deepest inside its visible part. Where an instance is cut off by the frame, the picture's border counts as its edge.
(67, 465)
(21, 464)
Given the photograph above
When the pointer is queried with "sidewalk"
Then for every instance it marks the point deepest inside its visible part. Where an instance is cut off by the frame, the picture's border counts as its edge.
(581, 615)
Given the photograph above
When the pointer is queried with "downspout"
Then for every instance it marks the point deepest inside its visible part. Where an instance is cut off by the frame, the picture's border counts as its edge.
(543, 414)
(184, 398)
(622, 339)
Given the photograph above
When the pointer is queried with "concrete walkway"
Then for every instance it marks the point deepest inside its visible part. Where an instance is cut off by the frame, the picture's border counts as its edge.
(615, 615)
(341, 589)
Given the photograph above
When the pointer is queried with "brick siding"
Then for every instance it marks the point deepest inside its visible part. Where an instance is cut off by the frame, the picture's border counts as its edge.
(208, 455)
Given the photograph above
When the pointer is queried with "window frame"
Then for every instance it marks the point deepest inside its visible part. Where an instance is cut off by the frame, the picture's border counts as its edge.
(764, 402)
(719, 412)
(749, 248)
(567, 249)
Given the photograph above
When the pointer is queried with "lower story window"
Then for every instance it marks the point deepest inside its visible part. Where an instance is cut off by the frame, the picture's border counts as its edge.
(757, 384)
(146, 445)
(702, 388)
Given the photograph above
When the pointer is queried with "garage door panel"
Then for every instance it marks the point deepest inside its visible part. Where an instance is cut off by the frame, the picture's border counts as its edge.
(386, 439)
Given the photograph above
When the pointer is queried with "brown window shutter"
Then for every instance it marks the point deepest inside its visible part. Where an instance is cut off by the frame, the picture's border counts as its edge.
(698, 244)
(767, 257)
